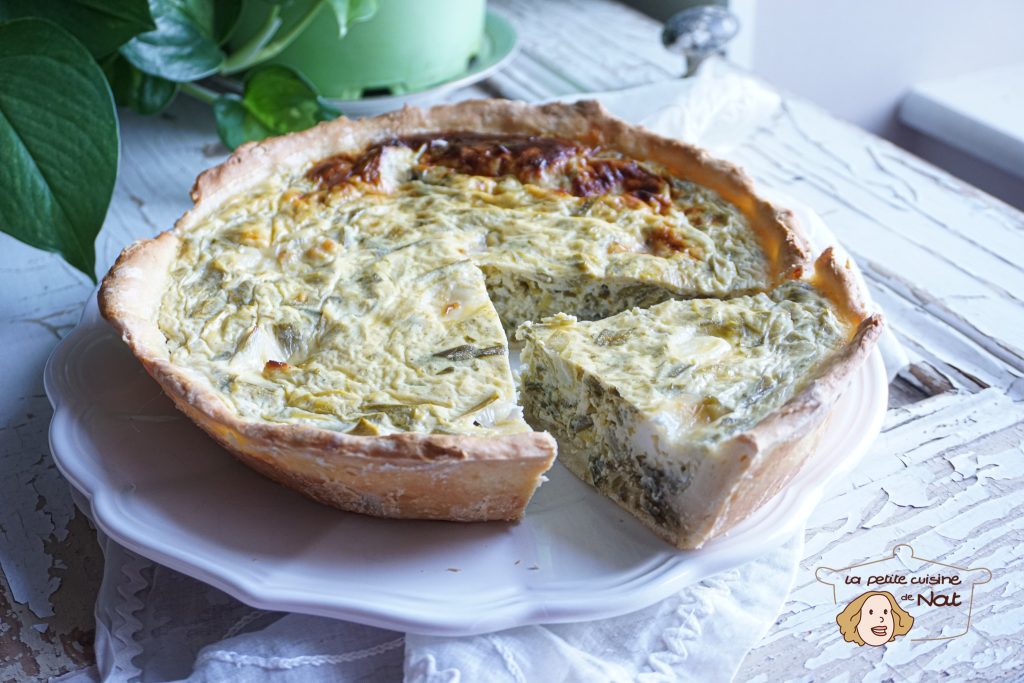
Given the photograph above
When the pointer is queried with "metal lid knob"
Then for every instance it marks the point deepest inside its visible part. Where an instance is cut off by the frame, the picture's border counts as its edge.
(699, 32)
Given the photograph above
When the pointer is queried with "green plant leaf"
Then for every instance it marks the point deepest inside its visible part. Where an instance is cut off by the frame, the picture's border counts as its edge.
(350, 12)
(58, 141)
(183, 47)
(283, 100)
(139, 91)
(225, 19)
(277, 100)
(101, 25)
(235, 125)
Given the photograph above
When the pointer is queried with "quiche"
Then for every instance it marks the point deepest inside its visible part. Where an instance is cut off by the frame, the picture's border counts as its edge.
(691, 413)
(336, 308)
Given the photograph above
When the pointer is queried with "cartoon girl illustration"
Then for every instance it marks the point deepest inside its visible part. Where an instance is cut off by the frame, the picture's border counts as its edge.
(874, 618)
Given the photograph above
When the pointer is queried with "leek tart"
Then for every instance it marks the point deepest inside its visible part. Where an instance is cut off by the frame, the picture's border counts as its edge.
(336, 307)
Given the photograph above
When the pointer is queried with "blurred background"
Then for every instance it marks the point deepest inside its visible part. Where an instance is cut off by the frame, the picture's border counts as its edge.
(943, 79)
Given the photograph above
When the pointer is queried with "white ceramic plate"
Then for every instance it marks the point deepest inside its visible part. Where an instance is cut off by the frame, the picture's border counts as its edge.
(159, 486)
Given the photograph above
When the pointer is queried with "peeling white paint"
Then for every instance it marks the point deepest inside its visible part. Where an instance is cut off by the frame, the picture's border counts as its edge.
(37, 507)
(946, 475)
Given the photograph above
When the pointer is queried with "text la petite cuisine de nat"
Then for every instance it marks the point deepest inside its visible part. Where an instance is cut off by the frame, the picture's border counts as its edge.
(929, 579)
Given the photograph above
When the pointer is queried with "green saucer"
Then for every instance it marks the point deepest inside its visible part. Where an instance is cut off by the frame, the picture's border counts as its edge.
(406, 50)
(497, 47)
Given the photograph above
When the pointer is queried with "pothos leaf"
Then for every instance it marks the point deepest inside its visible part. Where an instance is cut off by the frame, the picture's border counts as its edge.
(348, 12)
(139, 91)
(183, 47)
(235, 125)
(225, 19)
(277, 100)
(58, 141)
(101, 25)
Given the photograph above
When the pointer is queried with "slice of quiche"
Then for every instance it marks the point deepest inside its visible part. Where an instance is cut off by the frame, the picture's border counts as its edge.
(691, 414)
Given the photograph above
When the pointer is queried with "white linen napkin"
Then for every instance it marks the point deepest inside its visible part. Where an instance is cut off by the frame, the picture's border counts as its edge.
(700, 634)
(154, 624)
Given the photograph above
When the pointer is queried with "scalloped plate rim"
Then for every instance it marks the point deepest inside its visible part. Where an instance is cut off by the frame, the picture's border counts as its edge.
(515, 606)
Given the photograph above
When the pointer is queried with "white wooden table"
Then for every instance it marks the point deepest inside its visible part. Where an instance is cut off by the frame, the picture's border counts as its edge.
(943, 259)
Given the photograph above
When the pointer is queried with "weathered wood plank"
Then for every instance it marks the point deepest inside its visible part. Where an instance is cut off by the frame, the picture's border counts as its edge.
(582, 46)
(920, 235)
(947, 483)
(48, 554)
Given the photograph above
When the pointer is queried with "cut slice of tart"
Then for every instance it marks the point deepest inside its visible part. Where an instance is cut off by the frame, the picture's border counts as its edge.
(691, 414)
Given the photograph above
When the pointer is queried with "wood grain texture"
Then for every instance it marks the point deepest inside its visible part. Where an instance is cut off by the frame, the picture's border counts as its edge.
(942, 259)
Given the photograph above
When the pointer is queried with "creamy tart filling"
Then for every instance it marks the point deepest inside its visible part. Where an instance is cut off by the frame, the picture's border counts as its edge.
(402, 339)
(561, 227)
(368, 294)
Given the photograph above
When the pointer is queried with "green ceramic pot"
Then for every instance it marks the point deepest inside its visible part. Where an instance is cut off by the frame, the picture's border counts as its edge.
(407, 45)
